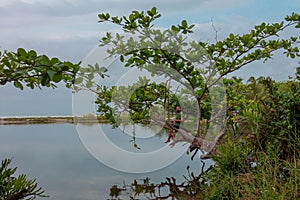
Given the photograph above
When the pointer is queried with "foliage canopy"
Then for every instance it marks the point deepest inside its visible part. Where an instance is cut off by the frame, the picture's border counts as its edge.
(257, 151)
(27, 68)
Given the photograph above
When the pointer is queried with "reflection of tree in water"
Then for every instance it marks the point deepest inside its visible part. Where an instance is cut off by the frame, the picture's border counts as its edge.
(191, 188)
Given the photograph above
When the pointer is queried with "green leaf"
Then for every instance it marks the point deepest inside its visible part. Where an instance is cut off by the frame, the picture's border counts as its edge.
(103, 17)
(54, 61)
(131, 17)
(122, 58)
(32, 54)
(57, 77)
(231, 36)
(103, 69)
(89, 84)
(175, 28)
(44, 60)
(191, 26)
(19, 85)
(79, 80)
(184, 24)
(65, 67)
(153, 11)
(116, 20)
(45, 79)
(68, 64)
(97, 67)
(21, 52)
(51, 73)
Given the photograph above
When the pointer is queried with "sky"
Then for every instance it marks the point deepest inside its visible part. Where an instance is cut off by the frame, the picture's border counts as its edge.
(68, 29)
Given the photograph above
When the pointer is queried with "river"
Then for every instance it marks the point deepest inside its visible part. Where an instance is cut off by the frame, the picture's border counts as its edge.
(57, 157)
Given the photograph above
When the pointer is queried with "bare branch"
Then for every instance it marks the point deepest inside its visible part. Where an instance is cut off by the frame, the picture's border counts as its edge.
(216, 30)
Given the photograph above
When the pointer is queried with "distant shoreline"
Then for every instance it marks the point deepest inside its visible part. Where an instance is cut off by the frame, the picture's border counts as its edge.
(19, 120)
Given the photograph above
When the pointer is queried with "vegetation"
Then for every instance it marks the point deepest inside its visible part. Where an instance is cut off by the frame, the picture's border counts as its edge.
(258, 157)
(17, 187)
(256, 148)
(168, 53)
(26, 67)
(255, 136)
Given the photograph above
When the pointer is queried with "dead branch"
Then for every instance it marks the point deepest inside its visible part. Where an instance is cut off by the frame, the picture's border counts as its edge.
(196, 143)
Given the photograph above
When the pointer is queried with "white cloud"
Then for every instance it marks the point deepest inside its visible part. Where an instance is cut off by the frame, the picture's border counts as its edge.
(62, 26)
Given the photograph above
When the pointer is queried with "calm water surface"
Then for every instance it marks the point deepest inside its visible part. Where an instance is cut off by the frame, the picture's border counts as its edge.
(63, 167)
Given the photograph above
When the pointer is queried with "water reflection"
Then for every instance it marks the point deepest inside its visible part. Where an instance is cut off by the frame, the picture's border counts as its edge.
(109, 146)
(55, 156)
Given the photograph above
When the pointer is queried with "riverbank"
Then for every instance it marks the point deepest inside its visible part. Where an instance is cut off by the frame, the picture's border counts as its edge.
(15, 120)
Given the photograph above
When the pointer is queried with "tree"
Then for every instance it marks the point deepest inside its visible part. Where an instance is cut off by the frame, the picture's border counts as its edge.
(168, 53)
(259, 157)
(256, 151)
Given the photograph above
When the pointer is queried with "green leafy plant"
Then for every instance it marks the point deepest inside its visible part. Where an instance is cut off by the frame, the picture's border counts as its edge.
(256, 154)
(17, 187)
(162, 52)
(27, 68)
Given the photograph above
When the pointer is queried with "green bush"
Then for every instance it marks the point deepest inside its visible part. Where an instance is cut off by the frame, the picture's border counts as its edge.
(15, 188)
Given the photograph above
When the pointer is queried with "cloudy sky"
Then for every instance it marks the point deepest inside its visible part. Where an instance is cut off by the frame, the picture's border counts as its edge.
(68, 29)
